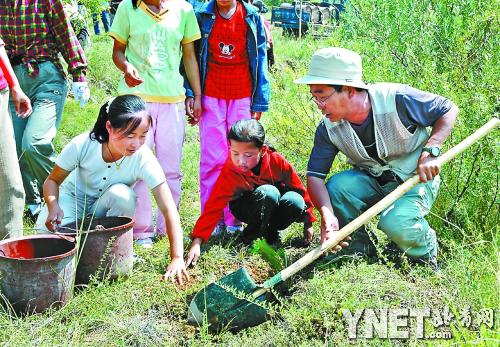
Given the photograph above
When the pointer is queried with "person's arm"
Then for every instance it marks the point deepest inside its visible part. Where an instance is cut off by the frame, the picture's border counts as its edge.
(166, 204)
(69, 46)
(120, 32)
(292, 180)
(193, 76)
(194, 251)
(428, 166)
(190, 68)
(219, 197)
(423, 109)
(21, 102)
(320, 162)
(51, 196)
(189, 91)
(260, 101)
(131, 74)
(321, 200)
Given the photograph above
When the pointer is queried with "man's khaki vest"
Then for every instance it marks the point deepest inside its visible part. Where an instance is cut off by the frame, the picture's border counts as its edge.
(396, 146)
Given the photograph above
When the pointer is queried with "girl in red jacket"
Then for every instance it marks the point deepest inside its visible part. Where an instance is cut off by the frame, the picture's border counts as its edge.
(262, 189)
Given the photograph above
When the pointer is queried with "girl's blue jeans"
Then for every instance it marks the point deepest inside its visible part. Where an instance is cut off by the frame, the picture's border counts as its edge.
(266, 211)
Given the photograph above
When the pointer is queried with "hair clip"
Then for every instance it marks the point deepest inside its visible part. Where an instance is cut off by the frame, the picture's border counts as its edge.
(108, 104)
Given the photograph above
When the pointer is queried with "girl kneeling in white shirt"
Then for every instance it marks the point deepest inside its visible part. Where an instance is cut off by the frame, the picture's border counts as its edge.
(95, 171)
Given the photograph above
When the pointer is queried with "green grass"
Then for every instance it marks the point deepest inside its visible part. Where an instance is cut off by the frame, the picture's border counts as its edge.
(144, 311)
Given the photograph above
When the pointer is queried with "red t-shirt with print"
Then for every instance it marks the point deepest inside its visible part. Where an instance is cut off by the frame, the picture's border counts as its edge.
(228, 73)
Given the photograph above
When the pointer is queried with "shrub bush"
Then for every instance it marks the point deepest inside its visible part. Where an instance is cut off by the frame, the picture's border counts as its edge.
(448, 47)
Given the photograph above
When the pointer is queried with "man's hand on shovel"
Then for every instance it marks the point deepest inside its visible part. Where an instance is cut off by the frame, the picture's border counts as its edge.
(329, 225)
(308, 233)
(428, 167)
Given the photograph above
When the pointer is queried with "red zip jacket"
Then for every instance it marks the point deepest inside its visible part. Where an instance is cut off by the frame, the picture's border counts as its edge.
(232, 183)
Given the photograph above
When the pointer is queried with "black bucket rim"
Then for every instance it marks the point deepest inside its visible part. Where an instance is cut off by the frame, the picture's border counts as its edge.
(41, 236)
(125, 226)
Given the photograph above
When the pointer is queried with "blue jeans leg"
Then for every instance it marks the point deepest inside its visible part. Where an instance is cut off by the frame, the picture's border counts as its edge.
(105, 20)
(354, 191)
(290, 209)
(97, 31)
(35, 135)
(255, 208)
(351, 193)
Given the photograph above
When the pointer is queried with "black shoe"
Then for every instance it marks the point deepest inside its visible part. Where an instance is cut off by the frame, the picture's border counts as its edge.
(273, 237)
(431, 262)
(360, 245)
(250, 234)
(392, 252)
(396, 255)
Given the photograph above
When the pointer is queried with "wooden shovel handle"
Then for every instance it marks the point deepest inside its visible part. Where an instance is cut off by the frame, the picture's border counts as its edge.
(314, 254)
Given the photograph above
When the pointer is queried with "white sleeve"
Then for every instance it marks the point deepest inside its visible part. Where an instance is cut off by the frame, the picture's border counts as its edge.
(69, 158)
(150, 171)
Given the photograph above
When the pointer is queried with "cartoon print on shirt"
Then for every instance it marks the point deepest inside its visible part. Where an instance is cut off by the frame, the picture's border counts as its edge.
(226, 50)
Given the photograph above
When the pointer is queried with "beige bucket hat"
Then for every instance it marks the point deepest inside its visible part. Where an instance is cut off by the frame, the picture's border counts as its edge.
(334, 65)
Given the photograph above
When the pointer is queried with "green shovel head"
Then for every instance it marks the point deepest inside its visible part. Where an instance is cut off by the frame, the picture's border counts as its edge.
(222, 304)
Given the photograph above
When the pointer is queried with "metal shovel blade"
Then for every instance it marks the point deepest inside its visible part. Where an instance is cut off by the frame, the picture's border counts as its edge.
(223, 305)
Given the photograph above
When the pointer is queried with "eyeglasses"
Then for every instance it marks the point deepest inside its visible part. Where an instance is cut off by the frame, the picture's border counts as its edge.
(321, 101)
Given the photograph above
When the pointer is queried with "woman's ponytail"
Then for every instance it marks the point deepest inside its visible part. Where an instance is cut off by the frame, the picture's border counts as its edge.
(125, 113)
(99, 132)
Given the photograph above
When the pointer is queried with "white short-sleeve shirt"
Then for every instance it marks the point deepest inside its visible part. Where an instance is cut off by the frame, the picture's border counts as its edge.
(91, 176)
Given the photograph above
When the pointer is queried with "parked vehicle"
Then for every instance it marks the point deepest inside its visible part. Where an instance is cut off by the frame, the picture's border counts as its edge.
(314, 15)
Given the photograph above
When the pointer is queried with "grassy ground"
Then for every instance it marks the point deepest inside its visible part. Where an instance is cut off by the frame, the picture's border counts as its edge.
(143, 311)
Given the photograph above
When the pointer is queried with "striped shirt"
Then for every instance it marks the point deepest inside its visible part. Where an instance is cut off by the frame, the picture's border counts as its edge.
(38, 30)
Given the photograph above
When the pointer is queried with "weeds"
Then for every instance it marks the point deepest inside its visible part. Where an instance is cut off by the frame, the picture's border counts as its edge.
(276, 258)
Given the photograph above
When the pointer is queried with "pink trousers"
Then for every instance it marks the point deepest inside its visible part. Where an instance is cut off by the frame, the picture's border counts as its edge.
(166, 137)
(216, 120)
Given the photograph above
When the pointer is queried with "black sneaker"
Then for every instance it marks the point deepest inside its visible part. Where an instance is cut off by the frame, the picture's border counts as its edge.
(273, 237)
(431, 262)
(392, 252)
(250, 234)
(360, 245)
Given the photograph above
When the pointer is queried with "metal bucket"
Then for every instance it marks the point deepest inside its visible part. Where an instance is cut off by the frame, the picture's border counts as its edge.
(36, 272)
(106, 251)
